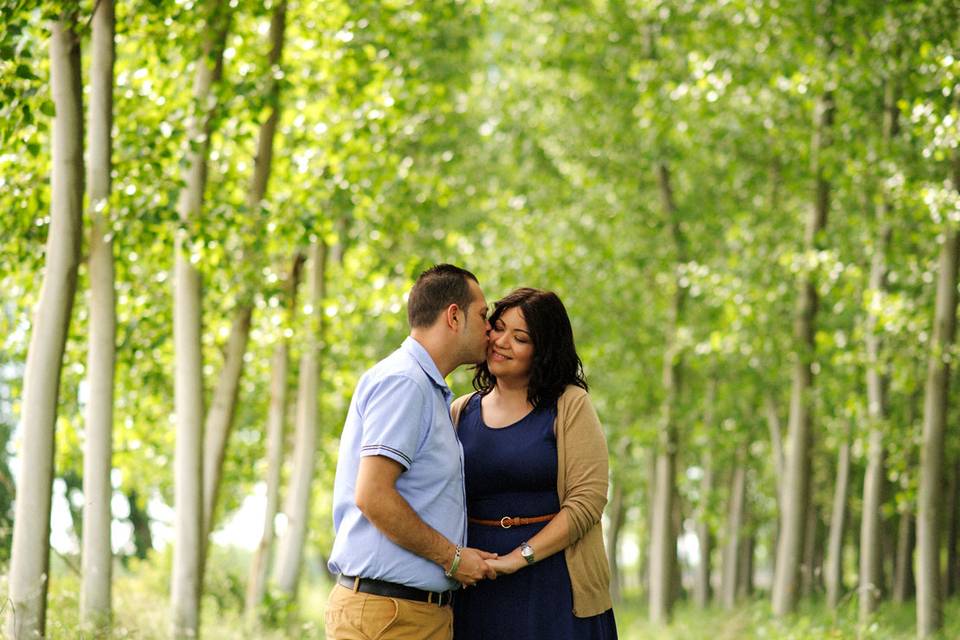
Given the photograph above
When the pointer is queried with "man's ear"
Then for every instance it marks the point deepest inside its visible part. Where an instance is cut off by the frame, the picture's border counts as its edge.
(452, 316)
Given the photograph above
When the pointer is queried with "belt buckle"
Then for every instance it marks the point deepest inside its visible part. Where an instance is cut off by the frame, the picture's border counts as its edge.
(504, 523)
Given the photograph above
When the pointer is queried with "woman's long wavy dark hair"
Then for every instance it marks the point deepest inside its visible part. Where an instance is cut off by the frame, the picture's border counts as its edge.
(555, 360)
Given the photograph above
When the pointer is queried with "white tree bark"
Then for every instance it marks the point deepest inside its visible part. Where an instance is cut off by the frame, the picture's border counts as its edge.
(870, 523)
(276, 419)
(663, 541)
(97, 556)
(796, 477)
(219, 422)
(838, 520)
(930, 492)
(26, 611)
(297, 507)
(188, 389)
(904, 585)
(731, 549)
(702, 592)
(616, 510)
(776, 441)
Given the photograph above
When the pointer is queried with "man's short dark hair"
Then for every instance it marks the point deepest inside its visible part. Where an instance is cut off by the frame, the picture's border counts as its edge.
(436, 289)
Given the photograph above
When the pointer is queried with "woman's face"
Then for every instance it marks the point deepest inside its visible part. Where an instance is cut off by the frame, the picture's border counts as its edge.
(510, 351)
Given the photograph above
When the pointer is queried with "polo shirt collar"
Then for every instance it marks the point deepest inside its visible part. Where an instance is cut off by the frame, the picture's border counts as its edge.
(426, 363)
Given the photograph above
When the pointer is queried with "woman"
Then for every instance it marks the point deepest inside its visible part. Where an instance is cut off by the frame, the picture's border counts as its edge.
(536, 481)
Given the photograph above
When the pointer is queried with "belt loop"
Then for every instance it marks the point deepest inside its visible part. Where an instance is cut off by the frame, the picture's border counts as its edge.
(429, 597)
(356, 584)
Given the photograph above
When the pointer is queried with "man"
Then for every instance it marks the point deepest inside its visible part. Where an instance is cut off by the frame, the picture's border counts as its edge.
(399, 507)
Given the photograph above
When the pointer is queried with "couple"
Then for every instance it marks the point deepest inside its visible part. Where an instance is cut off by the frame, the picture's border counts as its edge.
(519, 472)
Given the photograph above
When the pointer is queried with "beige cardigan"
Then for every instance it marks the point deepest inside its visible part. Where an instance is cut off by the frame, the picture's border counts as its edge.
(582, 467)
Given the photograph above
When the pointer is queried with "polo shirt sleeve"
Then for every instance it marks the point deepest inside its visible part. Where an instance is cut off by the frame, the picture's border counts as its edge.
(393, 420)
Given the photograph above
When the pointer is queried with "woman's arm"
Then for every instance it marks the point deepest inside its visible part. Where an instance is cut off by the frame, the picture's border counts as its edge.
(584, 493)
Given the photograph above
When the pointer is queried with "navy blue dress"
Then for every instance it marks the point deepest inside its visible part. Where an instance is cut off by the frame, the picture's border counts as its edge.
(512, 471)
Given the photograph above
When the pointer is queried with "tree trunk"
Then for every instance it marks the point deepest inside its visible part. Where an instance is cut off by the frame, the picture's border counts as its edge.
(644, 540)
(930, 492)
(297, 506)
(140, 521)
(870, 527)
(676, 576)
(219, 422)
(870, 531)
(663, 544)
(97, 556)
(833, 573)
(701, 588)
(731, 548)
(904, 586)
(888, 546)
(616, 510)
(276, 418)
(952, 578)
(808, 566)
(796, 477)
(776, 442)
(188, 542)
(73, 486)
(51, 323)
(702, 591)
(745, 571)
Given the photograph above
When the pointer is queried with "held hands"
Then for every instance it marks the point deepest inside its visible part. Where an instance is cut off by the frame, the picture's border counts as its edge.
(474, 566)
(510, 563)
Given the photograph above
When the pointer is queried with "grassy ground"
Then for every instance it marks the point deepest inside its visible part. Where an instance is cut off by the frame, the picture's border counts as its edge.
(141, 611)
(753, 619)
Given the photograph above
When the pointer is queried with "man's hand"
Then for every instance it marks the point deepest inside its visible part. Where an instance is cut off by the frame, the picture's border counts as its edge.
(377, 498)
(473, 567)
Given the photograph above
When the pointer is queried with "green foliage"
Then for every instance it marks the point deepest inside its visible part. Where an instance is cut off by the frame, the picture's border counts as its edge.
(522, 139)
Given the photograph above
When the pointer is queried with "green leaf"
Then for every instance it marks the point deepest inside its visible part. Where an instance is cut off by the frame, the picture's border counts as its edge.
(23, 71)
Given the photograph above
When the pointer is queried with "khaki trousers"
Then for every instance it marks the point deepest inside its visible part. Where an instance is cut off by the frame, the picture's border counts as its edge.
(352, 615)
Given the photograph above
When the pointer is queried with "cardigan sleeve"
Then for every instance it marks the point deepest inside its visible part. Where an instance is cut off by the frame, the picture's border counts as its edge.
(585, 462)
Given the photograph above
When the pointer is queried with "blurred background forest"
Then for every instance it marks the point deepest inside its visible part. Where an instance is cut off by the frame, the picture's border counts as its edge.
(212, 211)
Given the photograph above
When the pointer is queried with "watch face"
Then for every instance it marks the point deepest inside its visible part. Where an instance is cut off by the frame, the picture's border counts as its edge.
(527, 552)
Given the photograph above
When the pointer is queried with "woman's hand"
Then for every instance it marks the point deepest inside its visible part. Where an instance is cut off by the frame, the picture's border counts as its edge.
(510, 563)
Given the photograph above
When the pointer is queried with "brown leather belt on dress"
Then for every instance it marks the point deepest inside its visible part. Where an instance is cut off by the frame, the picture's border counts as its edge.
(511, 521)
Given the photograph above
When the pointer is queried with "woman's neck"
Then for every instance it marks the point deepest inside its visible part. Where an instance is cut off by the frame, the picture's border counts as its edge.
(506, 404)
(511, 393)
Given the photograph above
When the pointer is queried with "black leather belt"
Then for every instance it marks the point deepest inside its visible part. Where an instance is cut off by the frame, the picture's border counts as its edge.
(394, 590)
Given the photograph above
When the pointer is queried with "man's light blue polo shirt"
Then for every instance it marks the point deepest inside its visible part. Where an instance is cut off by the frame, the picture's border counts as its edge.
(401, 410)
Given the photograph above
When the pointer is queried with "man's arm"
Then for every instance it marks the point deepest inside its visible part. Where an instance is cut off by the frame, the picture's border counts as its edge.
(380, 502)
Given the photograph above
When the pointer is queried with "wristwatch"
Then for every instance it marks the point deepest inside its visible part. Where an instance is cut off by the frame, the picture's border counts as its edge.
(526, 552)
